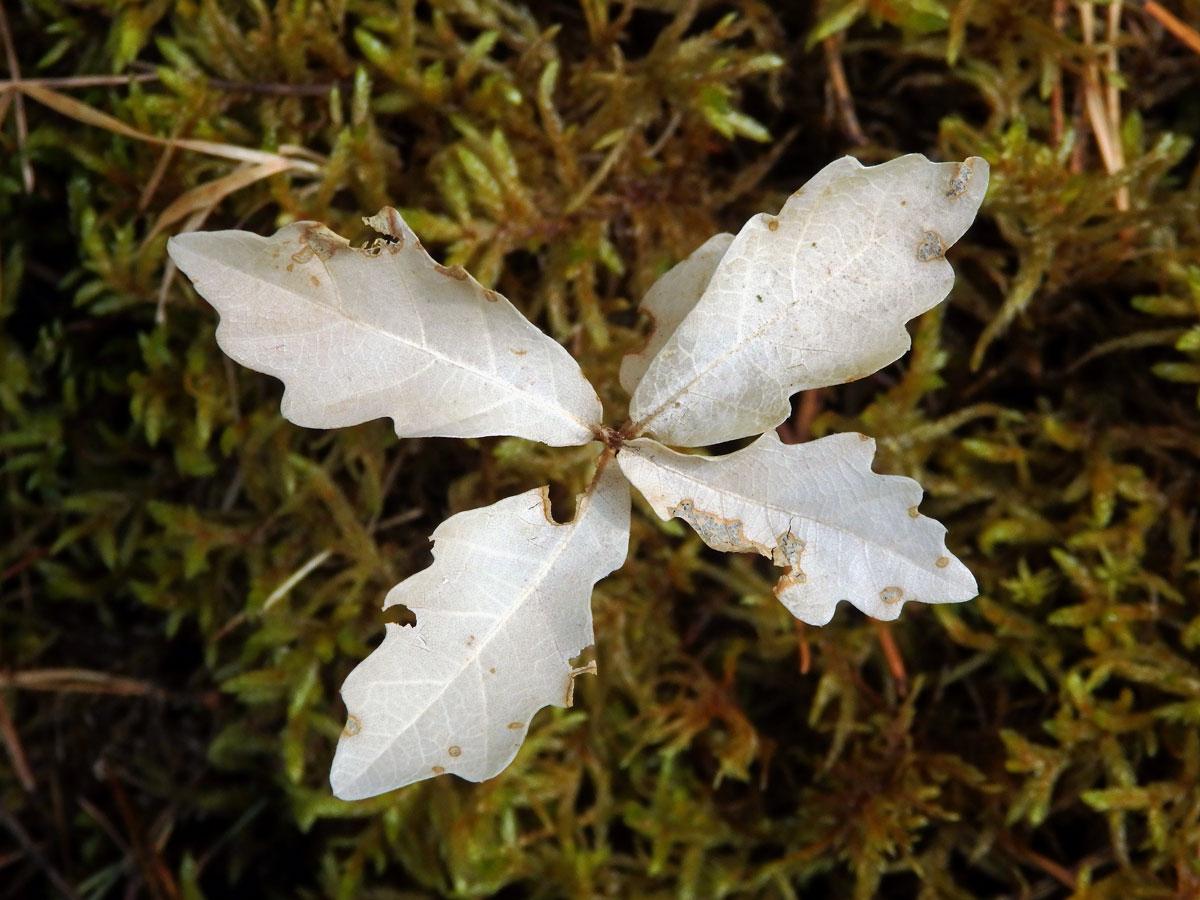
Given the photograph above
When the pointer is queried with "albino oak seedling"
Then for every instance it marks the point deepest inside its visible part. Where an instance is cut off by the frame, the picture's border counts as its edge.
(814, 296)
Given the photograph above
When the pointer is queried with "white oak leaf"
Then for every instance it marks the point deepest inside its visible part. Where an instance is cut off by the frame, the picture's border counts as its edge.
(817, 295)
(500, 613)
(841, 531)
(383, 330)
(670, 299)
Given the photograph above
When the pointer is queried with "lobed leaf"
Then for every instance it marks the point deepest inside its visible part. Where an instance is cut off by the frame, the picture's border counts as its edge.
(500, 613)
(383, 330)
(841, 531)
(817, 295)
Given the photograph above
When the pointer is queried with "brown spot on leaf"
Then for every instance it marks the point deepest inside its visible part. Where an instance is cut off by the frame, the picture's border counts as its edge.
(517, 351)
(319, 241)
(891, 595)
(455, 751)
(515, 725)
(913, 512)
(291, 266)
(931, 247)
(492, 670)
(457, 272)
(773, 225)
(942, 562)
(718, 532)
(353, 726)
(438, 770)
(316, 281)
(959, 180)
(863, 437)
(490, 296)
(787, 552)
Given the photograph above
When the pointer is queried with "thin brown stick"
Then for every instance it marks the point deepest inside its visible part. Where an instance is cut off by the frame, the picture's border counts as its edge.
(803, 647)
(14, 70)
(1176, 26)
(9, 821)
(1099, 107)
(891, 652)
(16, 753)
(88, 115)
(78, 681)
(842, 100)
(160, 169)
(1058, 127)
(78, 81)
(155, 872)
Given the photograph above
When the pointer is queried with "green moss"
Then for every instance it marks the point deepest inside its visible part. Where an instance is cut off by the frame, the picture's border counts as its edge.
(207, 573)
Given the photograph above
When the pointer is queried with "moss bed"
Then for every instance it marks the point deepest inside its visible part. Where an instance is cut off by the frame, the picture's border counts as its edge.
(187, 578)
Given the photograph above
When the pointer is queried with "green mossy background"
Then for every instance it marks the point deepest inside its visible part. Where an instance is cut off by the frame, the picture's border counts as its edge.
(187, 578)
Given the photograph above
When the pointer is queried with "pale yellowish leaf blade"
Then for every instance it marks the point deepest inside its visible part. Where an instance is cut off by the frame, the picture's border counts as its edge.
(361, 333)
(840, 531)
(502, 610)
(817, 295)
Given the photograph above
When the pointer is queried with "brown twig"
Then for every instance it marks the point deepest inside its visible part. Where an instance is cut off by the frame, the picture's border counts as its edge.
(1180, 29)
(14, 70)
(803, 646)
(842, 100)
(155, 872)
(891, 652)
(9, 821)
(16, 753)
(1103, 105)
(79, 681)
(1058, 127)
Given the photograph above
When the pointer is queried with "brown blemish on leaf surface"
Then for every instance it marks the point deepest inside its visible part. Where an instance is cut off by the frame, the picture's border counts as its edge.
(491, 297)
(457, 272)
(353, 726)
(719, 533)
(913, 512)
(515, 725)
(931, 247)
(786, 554)
(960, 179)
(320, 242)
(438, 770)
(942, 562)
(455, 751)
(891, 595)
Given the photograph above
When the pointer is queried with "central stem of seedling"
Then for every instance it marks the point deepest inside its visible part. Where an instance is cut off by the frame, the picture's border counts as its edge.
(615, 438)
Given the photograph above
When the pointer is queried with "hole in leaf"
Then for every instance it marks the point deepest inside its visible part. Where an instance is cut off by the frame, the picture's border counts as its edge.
(400, 615)
(562, 503)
